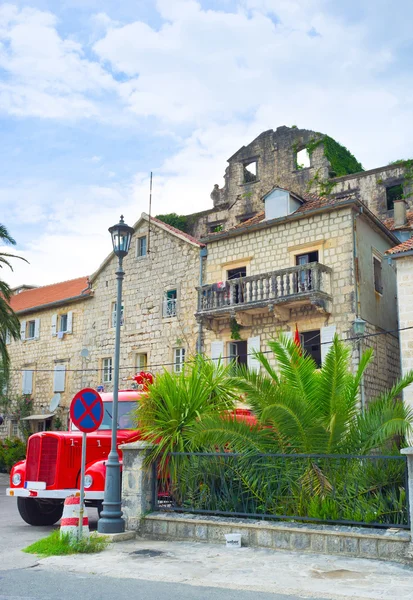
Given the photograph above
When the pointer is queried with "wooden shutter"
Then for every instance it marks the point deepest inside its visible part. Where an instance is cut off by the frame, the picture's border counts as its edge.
(54, 324)
(59, 378)
(36, 329)
(69, 322)
(27, 382)
(8, 337)
(253, 345)
(22, 330)
(217, 351)
(327, 335)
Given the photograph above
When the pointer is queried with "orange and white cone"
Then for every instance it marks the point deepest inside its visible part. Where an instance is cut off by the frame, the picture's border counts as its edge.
(69, 523)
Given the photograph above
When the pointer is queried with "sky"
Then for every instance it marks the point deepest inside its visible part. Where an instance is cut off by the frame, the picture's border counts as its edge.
(96, 94)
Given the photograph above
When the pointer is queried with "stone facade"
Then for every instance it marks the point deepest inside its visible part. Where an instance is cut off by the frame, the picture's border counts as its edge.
(336, 234)
(404, 297)
(35, 362)
(154, 327)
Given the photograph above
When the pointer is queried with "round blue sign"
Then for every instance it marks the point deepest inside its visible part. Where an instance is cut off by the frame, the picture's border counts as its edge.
(86, 410)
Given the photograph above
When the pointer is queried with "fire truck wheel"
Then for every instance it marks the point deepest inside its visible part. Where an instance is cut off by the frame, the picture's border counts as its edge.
(38, 512)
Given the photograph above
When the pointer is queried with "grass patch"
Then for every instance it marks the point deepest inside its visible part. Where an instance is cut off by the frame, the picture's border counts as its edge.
(54, 545)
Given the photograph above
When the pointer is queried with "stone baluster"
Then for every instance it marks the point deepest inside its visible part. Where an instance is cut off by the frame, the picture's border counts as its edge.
(287, 284)
(266, 283)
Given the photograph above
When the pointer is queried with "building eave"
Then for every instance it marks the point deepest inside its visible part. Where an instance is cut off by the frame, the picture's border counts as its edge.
(54, 304)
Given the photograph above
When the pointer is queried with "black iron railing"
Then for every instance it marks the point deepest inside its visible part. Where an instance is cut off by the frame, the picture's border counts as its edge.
(341, 489)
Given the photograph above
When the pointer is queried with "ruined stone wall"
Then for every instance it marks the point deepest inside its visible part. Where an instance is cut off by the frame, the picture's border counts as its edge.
(171, 264)
(275, 153)
(371, 186)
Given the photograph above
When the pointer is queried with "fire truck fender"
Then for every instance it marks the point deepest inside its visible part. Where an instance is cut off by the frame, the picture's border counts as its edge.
(94, 476)
(18, 469)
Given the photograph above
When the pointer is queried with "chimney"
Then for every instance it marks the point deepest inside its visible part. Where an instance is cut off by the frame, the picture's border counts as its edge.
(400, 218)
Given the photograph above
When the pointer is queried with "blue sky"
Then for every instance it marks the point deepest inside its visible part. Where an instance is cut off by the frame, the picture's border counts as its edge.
(94, 94)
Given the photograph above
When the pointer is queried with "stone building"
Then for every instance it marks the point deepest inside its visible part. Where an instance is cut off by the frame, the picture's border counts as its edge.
(297, 235)
(45, 362)
(315, 262)
(162, 271)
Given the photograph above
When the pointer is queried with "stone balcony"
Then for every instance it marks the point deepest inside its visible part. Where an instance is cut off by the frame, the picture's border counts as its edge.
(275, 292)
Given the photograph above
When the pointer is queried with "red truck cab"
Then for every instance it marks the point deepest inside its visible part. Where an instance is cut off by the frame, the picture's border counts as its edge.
(51, 470)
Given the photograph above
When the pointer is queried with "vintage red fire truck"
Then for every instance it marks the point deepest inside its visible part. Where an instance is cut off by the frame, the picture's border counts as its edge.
(51, 471)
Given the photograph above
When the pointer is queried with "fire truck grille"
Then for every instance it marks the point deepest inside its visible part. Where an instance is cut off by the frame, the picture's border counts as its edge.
(32, 459)
(41, 459)
(48, 458)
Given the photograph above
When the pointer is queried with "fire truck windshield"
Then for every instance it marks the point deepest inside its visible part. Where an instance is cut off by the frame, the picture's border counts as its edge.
(125, 415)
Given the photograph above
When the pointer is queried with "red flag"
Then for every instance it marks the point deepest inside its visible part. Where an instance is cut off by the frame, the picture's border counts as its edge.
(297, 340)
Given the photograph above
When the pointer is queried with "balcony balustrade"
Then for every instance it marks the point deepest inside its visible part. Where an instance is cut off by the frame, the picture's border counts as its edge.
(303, 284)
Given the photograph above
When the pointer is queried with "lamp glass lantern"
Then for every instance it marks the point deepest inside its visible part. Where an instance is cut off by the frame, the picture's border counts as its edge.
(359, 326)
(121, 237)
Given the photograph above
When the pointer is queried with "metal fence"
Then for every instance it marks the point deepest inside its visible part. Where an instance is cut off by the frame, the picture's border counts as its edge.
(341, 489)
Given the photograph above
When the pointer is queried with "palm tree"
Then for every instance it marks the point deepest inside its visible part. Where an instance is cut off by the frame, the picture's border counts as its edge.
(175, 402)
(303, 409)
(9, 323)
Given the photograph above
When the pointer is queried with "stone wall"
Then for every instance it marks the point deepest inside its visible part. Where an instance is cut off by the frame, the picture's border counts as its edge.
(405, 295)
(43, 354)
(171, 264)
(274, 248)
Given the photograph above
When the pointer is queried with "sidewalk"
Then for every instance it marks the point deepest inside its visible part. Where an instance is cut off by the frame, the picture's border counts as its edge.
(306, 575)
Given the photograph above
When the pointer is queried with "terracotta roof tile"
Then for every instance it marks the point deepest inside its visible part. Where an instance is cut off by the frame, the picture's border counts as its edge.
(311, 202)
(403, 247)
(178, 231)
(48, 294)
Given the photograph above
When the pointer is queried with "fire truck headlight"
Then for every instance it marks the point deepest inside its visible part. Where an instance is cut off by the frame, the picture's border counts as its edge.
(88, 481)
(16, 479)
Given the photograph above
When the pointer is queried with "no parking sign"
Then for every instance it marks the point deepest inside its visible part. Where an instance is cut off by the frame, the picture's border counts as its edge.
(86, 413)
(86, 410)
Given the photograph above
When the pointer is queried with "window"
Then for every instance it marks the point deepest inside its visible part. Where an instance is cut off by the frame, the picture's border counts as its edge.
(238, 288)
(141, 244)
(378, 283)
(302, 159)
(15, 429)
(141, 362)
(238, 353)
(394, 192)
(114, 315)
(30, 330)
(311, 343)
(107, 370)
(179, 359)
(59, 378)
(27, 383)
(63, 323)
(305, 277)
(169, 303)
(250, 171)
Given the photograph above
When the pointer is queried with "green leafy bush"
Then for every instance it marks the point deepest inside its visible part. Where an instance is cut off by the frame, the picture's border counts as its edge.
(11, 451)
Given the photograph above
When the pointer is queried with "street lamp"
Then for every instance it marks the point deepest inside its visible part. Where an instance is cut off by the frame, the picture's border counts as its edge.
(111, 517)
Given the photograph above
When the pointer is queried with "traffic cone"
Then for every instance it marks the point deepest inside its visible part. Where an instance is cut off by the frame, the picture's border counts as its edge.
(69, 523)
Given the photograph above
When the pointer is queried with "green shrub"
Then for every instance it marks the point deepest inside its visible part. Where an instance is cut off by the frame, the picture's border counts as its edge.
(11, 451)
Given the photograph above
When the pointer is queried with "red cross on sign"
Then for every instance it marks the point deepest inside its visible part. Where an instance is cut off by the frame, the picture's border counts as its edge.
(86, 410)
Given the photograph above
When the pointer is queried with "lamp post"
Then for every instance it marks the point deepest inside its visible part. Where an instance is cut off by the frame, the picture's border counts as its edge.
(111, 517)
(359, 328)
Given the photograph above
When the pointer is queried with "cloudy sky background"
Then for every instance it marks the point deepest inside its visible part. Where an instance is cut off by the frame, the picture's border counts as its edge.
(94, 94)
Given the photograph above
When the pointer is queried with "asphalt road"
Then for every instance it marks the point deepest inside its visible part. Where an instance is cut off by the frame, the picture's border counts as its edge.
(23, 578)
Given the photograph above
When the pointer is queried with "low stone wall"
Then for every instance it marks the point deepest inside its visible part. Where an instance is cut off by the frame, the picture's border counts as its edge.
(390, 544)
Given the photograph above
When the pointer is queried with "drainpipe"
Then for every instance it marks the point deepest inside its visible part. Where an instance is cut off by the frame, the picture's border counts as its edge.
(357, 302)
(203, 253)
